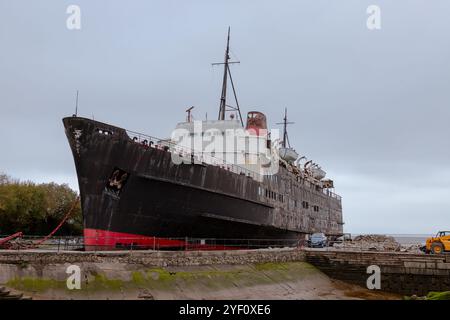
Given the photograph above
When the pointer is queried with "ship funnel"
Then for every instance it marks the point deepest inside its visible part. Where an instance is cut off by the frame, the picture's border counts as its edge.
(256, 121)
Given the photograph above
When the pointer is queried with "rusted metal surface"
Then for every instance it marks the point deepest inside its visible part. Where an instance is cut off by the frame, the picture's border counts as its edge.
(163, 199)
(256, 121)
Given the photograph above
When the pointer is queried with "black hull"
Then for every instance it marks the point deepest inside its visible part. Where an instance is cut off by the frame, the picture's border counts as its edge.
(162, 200)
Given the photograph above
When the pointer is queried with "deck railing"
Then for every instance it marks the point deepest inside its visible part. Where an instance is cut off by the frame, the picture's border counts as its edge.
(190, 155)
(332, 194)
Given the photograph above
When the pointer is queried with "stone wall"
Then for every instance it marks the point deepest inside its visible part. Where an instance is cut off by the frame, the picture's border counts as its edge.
(41, 264)
(400, 272)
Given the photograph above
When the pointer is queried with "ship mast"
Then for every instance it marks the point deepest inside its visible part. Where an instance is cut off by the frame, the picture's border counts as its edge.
(285, 122)
(226, 73)
(76, 106)
(223, 97)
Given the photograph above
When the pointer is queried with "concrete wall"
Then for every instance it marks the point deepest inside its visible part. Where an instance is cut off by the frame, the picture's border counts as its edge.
(53, 265)
(400, 272)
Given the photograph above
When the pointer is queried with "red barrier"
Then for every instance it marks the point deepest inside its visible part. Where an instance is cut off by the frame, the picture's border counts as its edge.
(11, 237)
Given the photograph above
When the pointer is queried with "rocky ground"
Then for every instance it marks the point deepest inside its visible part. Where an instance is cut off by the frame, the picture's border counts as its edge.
(374, 242)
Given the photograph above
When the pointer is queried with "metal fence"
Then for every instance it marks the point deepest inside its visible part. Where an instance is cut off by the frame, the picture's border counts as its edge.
(70, 243)
(100, 243)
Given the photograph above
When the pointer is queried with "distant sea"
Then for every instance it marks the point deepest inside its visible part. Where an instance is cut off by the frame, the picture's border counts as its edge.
(407, 239)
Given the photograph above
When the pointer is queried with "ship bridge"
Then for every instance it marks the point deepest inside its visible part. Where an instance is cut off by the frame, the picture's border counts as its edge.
(223, 139)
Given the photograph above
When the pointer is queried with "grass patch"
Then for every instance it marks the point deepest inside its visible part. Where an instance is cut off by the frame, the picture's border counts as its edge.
(102, 282)
(268, 266)
(438, 295)
(138, 278)
(35, 284)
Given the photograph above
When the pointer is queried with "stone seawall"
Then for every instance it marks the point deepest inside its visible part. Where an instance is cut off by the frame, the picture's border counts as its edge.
(250, 274)
(53, 265)
(400, 272)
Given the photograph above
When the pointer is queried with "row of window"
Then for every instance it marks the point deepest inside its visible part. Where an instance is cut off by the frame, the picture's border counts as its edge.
(279, 197)
(274, 195)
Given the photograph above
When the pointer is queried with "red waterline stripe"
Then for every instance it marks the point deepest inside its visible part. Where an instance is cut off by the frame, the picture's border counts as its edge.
(111, 239)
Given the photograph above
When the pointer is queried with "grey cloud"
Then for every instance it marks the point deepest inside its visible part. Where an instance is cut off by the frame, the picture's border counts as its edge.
(371, 106)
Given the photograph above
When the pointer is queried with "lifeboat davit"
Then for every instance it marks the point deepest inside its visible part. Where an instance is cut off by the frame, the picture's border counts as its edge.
(318, 173)
(288, 154)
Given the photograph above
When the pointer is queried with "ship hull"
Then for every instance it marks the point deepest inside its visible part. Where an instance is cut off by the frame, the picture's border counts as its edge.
(135, 195)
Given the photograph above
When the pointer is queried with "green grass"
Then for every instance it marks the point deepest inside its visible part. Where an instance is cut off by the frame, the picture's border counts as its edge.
(438, 295)
(100, 282)
(268, 266)
(35, 284)
(431, 296)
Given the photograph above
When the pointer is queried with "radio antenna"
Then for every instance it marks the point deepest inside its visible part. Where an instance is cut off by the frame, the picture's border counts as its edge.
(285, 142)
(76, 106)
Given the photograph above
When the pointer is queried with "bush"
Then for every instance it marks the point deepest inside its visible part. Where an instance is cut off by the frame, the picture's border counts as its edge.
(36, 209)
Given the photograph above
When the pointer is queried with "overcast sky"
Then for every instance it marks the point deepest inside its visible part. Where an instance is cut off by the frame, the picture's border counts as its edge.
(371, 106)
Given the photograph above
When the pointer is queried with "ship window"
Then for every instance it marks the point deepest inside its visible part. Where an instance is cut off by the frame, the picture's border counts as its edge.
(103, 131)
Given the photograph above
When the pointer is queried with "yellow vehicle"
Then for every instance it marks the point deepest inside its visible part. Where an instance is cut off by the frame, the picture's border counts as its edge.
(439, 243)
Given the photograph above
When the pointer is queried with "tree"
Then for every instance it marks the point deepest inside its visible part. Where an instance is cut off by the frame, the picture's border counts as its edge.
(4, 179)
(36, 209)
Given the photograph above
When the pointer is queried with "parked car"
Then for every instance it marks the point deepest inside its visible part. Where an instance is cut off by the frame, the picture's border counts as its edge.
(318, 240)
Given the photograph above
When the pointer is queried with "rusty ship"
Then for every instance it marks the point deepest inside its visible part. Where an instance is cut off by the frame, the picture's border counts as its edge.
(137, 190)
